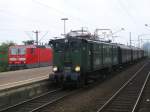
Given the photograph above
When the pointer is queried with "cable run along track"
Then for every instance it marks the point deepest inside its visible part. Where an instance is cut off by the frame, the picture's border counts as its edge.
(127, 98)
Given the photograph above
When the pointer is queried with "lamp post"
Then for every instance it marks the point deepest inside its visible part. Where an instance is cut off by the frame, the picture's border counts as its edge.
(64, 19)
(146, 25)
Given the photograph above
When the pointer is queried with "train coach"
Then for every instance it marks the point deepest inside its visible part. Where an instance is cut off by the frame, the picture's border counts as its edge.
(29, 56)
(76, 58)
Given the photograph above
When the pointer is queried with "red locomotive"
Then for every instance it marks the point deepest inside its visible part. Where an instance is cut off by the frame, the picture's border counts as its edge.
(29, 56)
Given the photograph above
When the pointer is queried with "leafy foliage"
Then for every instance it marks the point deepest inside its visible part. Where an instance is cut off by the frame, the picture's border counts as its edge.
(4, 55)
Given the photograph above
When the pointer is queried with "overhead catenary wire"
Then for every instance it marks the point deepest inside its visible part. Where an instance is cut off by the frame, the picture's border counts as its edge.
(14, 15)
(62, 13)
(43, 36)
(28, 35)
(123, 7)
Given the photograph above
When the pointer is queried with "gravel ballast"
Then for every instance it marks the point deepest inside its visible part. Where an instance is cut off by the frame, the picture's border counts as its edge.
(90, 99)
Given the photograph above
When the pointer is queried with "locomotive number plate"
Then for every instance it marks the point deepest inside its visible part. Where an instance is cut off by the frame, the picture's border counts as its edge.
(67, 69)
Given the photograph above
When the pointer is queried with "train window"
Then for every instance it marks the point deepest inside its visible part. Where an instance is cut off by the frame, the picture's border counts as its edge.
(107, 50)
(21, 51)
(14, 51)
(59, 46)
(75, 45)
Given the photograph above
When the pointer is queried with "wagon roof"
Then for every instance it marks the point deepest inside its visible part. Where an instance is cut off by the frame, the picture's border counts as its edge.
(88, 40)
(101, 42)
(124, 46)
(28, 46)
(136, 48)
(25, 46)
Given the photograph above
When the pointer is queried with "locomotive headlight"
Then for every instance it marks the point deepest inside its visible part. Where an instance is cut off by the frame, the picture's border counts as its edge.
(55, 68)
(77, 68)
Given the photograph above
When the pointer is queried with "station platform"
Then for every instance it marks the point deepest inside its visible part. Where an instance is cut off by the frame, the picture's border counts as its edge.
(20, 77)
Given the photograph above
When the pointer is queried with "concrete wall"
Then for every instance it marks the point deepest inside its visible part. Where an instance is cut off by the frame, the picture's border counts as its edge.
(15, 95)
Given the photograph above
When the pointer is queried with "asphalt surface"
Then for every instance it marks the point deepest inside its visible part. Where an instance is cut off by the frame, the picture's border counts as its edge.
(20, 77)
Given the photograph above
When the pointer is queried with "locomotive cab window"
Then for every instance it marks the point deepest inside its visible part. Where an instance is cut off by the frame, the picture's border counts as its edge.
(70, 45)
(21, 51)
(75, 45)
(14, 51)
(59, 46)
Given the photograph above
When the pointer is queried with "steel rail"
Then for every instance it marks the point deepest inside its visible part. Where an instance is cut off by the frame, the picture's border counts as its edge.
(118, 91)
(57, 99)
(51, 102)
(140, 94)
(23, 102)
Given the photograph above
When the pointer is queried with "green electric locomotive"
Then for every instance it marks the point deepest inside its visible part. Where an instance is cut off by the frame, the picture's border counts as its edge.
(77, 56)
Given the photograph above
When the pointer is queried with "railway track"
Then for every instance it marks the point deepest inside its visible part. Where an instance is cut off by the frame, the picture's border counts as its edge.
(128, 97)
(36, 103)
(41, 103)
(47, 108)
(143, 104)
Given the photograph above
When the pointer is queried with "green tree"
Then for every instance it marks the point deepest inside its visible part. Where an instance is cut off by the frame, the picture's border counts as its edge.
(4, 55)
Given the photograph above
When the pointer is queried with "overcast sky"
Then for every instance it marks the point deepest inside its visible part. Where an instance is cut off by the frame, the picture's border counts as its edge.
(19, 18)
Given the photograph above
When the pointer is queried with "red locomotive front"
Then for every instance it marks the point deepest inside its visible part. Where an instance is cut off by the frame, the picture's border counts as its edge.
(29, 56)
